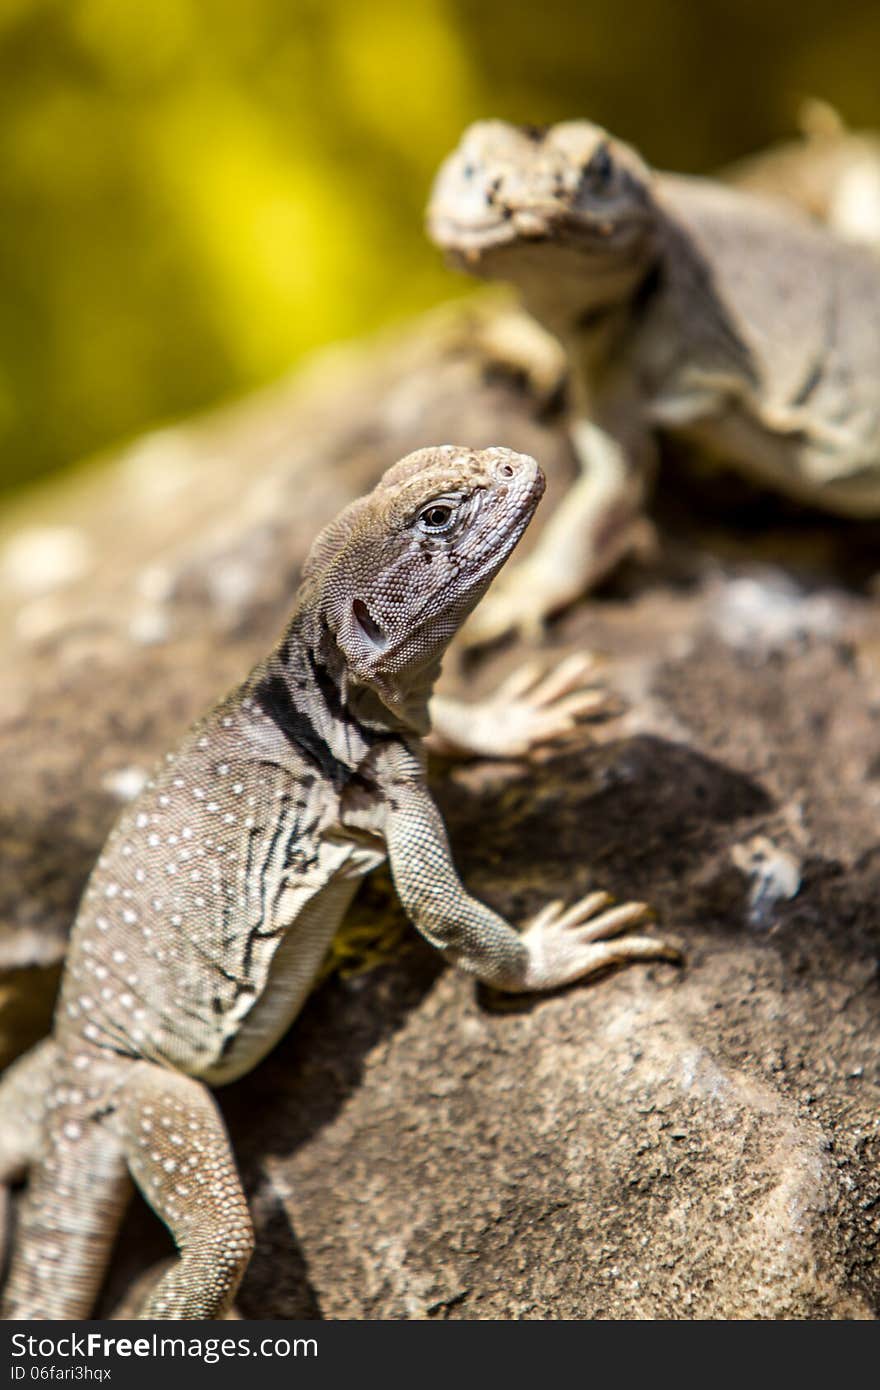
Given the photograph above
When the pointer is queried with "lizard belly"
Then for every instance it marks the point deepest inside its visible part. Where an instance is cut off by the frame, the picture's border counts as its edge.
(302, 928)
(199, 954)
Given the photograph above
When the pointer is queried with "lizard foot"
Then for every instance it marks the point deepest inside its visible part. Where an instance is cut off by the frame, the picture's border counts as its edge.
(568, 944)
(531, 709)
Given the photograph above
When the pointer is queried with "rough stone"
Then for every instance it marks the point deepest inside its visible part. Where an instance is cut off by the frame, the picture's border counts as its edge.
(677, 1143)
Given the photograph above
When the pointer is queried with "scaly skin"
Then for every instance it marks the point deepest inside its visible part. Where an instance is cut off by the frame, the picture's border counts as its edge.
(213, 902)
(683, 306)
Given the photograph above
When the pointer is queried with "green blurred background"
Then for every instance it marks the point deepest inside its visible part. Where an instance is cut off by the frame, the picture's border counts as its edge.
(193, 193)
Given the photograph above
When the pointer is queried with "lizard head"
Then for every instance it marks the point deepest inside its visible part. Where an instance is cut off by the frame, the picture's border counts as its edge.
(399, 570)
(509, 196)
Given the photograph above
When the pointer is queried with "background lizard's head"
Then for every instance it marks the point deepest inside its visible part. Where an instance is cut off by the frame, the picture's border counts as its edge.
(513, 197)
(399, 570)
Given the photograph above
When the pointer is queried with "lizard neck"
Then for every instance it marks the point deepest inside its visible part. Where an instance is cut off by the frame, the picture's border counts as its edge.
(306, 687)
(589, 290)
(394, 699)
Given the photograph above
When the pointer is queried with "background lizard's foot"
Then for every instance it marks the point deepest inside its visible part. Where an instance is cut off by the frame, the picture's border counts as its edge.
(531, 709)
(568, 944)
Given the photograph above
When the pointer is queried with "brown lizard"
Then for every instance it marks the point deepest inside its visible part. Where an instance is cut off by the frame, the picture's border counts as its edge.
(212, 905)
(683, 306)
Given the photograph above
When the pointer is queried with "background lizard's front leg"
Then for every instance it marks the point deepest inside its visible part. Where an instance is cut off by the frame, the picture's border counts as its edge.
(556, 947)
(596, 524)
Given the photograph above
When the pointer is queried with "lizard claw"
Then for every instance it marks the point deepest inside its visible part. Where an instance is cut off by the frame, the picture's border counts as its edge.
(568, 944)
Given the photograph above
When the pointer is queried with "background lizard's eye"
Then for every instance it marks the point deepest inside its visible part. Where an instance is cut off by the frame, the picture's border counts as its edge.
(598, 175)
(436, 517)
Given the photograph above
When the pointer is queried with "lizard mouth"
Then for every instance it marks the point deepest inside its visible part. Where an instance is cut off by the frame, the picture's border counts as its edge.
(469, 238)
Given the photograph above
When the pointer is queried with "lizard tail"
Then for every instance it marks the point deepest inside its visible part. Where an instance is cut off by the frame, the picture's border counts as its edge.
(65, 1226)
(23, 1092)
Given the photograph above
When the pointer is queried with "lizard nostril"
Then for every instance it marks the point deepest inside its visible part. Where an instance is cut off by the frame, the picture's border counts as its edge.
(506, 470)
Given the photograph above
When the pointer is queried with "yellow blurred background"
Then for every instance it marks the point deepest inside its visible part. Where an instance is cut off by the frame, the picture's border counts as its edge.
(194, 193)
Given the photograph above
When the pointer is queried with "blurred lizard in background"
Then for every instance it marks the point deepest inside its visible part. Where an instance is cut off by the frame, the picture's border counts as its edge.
(683, 306)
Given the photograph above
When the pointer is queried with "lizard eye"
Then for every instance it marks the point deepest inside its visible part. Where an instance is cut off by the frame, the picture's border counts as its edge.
(436, 518)
(598, 175)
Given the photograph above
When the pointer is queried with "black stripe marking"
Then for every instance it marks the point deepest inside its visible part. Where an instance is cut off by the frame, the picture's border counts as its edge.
(274, 699)
(333, 700)
(328, 688)
(282, 829)
(255, 931)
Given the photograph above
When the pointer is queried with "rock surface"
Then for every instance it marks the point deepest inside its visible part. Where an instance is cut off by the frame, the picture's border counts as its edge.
(678, 1143)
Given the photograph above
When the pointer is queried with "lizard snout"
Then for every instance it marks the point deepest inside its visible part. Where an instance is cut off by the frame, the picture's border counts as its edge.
(520, 470)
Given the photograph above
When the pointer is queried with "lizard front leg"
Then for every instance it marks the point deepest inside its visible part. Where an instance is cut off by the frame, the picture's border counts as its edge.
(556, 947)
(596, 524)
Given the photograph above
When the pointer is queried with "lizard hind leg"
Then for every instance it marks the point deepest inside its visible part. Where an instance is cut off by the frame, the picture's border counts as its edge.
(179, 1155)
